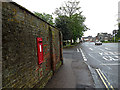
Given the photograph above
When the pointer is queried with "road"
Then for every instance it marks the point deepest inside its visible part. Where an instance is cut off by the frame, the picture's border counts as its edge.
(103, 61)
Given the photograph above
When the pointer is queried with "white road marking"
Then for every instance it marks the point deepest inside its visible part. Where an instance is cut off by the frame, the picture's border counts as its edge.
(91, 49)
(116, 52)
(115, 59)
(100, 61)
(101, 49)
(111, 53)
(105, 58)
(94, 58)
(116, 56)
(101, 53)
(85, 59)
(81, 50)
(107, 48)
(111, 58)
(110, 64)
(106, 53)
(78, 50)
(83, 55)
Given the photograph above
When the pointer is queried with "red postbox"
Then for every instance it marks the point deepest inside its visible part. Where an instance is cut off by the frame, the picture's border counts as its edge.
(40, 50)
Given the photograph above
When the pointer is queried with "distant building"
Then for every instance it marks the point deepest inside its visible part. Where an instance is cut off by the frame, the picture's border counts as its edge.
(86, 39)
(103, 37)
(110, 37)
(94, 39)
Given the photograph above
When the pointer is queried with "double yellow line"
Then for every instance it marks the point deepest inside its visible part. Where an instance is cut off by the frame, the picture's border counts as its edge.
(104, 80)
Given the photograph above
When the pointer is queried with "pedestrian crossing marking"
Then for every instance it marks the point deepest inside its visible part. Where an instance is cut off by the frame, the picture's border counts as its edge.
(91, 49)
(109, 56)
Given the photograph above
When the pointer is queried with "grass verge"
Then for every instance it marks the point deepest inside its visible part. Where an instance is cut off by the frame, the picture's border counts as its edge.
(70, 46)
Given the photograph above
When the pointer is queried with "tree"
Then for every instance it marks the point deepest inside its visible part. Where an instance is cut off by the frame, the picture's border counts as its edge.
(68, 9)
(76, 25)
(46, 17)
(63, 22)
(118, 35)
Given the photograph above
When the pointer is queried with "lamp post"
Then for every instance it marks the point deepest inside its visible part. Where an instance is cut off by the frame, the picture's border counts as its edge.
(114, 33)
(114, 37)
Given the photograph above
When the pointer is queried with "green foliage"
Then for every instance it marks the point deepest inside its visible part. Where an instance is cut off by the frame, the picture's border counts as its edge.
(107, 41)
(77, 26)
(118, 34)
(116, 39)
(68, 46)
(63, 22)
(70, 20)
(46, 17)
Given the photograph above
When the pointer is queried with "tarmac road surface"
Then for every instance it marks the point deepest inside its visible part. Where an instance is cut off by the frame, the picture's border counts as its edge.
(104, 63)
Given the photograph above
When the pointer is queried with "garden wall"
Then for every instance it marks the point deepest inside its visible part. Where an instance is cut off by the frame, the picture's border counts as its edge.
(20, 68)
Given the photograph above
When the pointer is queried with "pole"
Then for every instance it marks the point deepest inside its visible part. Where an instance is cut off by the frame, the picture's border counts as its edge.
(114, 37)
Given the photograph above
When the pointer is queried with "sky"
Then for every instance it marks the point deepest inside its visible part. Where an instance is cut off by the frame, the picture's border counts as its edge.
(101, 15)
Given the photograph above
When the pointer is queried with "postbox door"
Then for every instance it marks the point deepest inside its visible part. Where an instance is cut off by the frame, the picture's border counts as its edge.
(40, 50)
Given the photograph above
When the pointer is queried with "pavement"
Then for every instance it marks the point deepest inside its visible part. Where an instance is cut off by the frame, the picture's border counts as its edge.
(74, 73)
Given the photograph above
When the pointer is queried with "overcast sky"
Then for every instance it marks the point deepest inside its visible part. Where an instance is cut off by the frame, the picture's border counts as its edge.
(101, 15)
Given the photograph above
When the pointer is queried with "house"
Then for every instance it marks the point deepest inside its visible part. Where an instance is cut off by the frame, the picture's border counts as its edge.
(104, 37)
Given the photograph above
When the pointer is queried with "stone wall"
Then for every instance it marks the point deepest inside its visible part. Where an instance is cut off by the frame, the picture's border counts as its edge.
(20, 68)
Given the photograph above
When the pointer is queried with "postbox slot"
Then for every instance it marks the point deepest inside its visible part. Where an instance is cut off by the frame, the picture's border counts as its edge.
(40, 41)
(40, 48)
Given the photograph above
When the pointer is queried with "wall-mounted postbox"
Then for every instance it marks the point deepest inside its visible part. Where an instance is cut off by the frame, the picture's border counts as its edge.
(40, 50)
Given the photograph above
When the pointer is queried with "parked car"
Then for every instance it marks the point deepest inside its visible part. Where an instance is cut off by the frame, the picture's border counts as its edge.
(98, 43)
